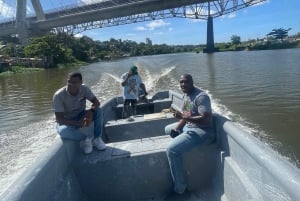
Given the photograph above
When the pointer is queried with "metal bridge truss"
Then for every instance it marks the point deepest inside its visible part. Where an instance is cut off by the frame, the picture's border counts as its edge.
(199, 11)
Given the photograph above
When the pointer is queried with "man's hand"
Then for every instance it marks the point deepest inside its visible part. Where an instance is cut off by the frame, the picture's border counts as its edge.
(124, 81)
(176, 113)
(172, 110)
(174, 133)
(87, 119)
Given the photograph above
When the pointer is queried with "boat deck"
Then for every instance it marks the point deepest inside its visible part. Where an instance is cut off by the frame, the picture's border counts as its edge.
(138, 170)
(134, 167)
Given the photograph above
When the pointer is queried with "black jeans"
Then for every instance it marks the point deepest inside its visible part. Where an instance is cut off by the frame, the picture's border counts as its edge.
(127, 110)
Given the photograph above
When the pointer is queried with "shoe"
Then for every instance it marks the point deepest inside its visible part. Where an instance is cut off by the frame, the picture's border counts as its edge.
(87, 146)
(99, 144)
(130, 119)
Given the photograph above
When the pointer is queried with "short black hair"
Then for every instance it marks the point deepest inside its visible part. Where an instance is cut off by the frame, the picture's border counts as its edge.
(75, 74)
(188, 77)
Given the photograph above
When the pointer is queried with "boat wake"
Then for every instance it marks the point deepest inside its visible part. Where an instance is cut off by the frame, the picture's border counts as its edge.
(252, 129)
(117, 79)
(21, 147)
(152, 80)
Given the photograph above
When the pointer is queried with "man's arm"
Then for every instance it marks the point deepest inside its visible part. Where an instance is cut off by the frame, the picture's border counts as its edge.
(142, 86)
(202, 119)
(95, 103)
(88, 117)
(125, 80)
(59, 116)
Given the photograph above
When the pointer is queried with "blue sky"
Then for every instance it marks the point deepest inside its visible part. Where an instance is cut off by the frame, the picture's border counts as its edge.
(248, 23)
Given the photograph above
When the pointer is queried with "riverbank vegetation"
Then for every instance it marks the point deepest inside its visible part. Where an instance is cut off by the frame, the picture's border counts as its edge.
(53, 50)
(276, 39)
(18, 70)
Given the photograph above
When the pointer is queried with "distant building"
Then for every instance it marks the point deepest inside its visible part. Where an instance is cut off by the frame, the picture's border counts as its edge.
(148, 41)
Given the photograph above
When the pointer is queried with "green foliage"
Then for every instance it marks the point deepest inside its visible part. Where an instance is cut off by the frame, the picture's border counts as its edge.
(235, 40)
(9, 39)
(50, 46)
(8, 50)
(270, 46)
(21, 69)
(279, 33)
(223, 46)
(63, 48)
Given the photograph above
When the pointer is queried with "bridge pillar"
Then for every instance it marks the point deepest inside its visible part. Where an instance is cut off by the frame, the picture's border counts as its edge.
(21, 23)
(210, 44)
(36, 4)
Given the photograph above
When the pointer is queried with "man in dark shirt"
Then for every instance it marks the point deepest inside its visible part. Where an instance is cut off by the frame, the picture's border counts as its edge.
(193, 129)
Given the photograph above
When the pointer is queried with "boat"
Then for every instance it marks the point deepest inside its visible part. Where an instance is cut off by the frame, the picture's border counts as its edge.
(236, 166)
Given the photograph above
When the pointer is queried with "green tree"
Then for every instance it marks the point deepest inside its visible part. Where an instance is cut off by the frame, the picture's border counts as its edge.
(8, 50)
(279, 33)
(235, 40)
(49, 46)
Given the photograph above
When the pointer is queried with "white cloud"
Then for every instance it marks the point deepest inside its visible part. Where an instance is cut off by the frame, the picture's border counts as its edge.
(228, 16)
(231, 15)
(6, 11)
(79, 35)
(93, 33)
(141, 28)
(156, 24)
(260, 2)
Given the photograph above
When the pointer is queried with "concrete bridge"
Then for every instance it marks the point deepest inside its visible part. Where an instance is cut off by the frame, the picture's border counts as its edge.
(80, 17)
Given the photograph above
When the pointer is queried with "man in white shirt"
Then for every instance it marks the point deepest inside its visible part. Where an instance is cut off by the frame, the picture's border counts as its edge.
(132, 85)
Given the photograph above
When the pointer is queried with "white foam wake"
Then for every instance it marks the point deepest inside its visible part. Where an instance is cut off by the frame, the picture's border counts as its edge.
(150, 79)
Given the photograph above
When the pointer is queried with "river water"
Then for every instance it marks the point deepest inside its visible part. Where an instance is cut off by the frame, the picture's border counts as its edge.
(258, 89)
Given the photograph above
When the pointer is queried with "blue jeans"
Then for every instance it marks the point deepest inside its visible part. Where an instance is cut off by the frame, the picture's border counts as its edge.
(73, 133)
(188, 139)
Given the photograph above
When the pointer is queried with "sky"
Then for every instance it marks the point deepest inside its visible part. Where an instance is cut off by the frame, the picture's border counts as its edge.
(248, 23)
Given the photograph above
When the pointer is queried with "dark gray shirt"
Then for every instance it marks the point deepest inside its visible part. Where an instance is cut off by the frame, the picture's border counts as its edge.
(196, 103)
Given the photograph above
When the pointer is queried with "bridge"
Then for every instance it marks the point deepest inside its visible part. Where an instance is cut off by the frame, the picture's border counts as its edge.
(97, 14)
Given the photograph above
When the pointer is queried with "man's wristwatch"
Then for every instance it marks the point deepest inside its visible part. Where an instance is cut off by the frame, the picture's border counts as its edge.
(92, 110)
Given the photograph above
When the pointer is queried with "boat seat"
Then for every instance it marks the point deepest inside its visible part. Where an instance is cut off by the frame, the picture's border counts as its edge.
(146, 107)
(141, 108)
(138, 127)
(139, 170)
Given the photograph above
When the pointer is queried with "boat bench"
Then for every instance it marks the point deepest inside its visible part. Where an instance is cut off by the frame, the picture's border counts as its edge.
(140, 126)
(139, 170)
(146, 107)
